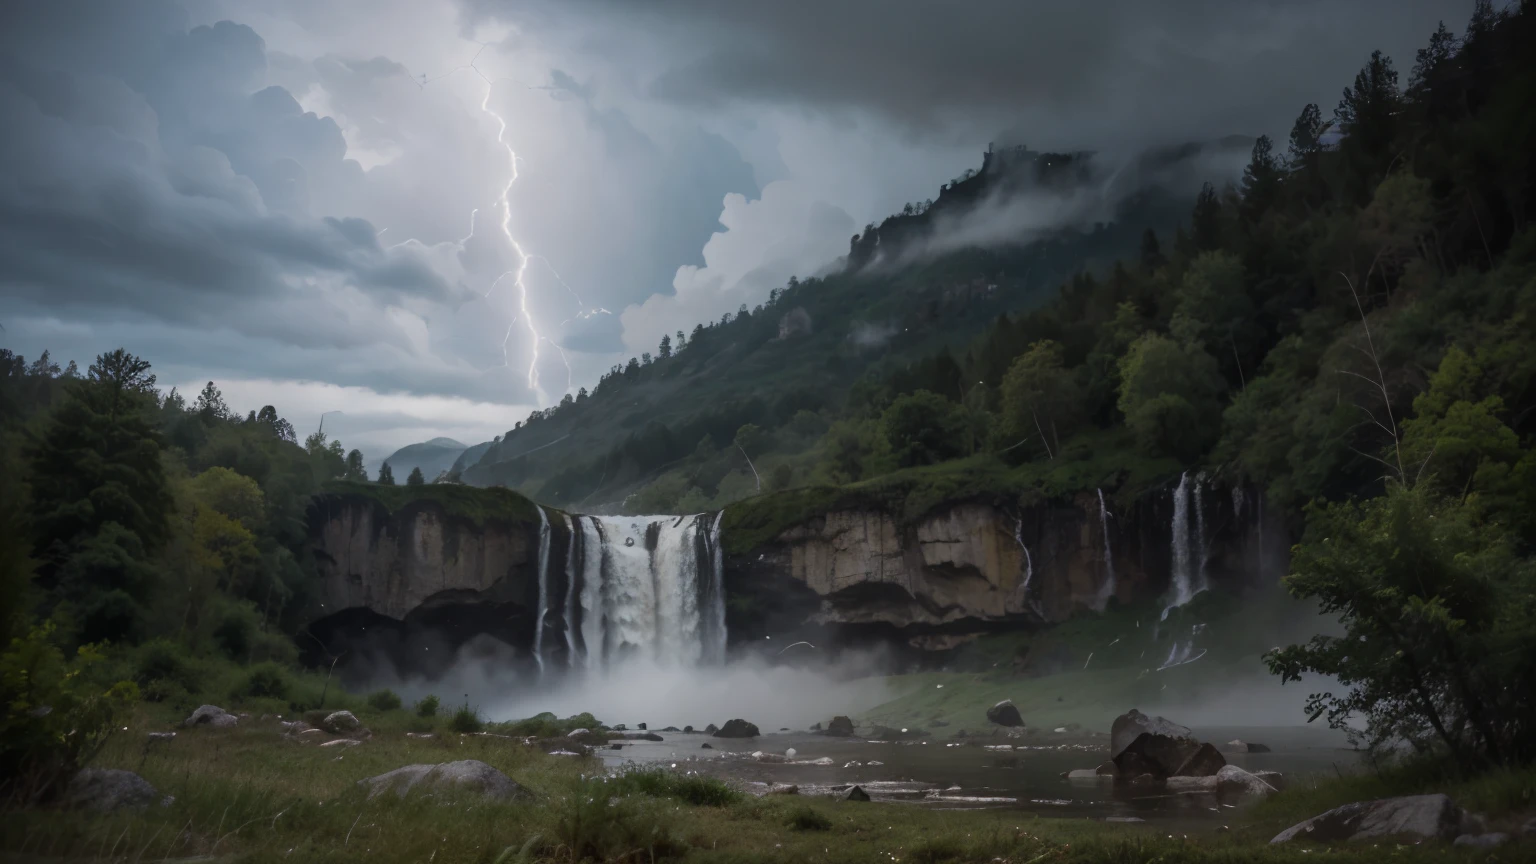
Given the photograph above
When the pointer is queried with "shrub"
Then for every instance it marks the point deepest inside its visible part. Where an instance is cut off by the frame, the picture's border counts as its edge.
(264, 681)
(466, 720)
(164, 660)
(427, 707)
(593, 824)
(40, 749)
(384, 700)
(807, 818)
(695, 789)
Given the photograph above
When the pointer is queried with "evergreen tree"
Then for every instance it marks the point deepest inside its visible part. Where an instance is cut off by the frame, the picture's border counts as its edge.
(1206, 221)
(1151, 253)
(415, 478)
(355, 471)
(1261, 181)
(664, 350)
(101, 501)
(1304, 137)
(210, 405)
(386, 475)
(1367, 117)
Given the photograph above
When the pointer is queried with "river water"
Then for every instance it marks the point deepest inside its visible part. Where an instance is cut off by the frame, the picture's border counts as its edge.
(948, 774)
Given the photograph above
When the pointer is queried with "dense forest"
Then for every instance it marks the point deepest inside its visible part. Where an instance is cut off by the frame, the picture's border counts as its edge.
(1350, 328)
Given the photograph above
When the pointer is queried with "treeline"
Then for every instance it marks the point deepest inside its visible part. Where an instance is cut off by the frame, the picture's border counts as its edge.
(150, 547)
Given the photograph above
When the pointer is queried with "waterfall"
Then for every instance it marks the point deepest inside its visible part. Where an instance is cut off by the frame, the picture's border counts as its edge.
(1197, 582)
(538, 625)
(572, 528)
(645, 586)
(1029, 564)
(1106, 590)
(1181, 589)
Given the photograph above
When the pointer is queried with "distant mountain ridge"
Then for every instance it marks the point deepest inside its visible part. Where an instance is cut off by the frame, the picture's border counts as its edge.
(433, 457)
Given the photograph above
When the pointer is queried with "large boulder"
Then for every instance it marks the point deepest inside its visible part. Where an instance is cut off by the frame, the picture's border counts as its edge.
(840, 727)
(1432, 817)
(467, 774)
(341, 723)
(1233, 782)
(108, 789)
(211, 715)
(737, 728)
(1139, 744)
(1005, 713)
(1204, 762)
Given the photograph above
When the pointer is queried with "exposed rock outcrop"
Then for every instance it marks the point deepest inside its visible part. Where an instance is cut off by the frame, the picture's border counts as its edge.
(737, 728)
(1429, 816)
(839, 727)
(1005, 713)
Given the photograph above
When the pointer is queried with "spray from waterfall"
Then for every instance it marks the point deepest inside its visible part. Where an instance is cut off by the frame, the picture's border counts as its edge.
(1107, 589)
(538, 625)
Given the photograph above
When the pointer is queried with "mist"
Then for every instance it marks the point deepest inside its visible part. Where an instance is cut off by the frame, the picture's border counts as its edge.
(486, 675)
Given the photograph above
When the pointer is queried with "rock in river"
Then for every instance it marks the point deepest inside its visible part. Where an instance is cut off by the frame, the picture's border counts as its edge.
(1139, 744)
(1233, 782)
(737, 728)
(1204, 762)
(1005, 713)
(840, 727)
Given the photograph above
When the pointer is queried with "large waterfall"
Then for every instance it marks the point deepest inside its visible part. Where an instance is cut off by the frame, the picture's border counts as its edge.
(642, 587)
(1188, 571)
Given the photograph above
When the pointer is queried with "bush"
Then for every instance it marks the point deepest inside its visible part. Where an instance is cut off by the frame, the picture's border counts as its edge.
(695, 789)
(466, 721)
(384, 700)
(162, 668)
(427, 707)
(264, 681)
(807, 818)
(593, 824)
(41, 749)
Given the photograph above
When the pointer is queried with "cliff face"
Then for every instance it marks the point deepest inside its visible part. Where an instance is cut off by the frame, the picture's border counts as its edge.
(397, 564)
(976, 566)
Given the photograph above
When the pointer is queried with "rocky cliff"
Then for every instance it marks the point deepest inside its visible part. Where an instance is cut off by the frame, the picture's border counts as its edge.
(975, 566)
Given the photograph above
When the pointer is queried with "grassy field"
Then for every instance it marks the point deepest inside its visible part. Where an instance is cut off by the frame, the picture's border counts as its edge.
(249, 794)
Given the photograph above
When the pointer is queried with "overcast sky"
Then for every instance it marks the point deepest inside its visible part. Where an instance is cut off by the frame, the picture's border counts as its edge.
(313, 202)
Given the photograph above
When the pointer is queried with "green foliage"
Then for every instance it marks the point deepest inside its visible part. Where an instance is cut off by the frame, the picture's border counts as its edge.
(547, 725)
(697, 790)
(1438, 650)
(415, 478)
(56, 715)
(923, 428)
(264, 681)
(465, 721)
(1168, 396)
(427, 706)
(807, 818)
(384, 700)
(1042, 403)
(479, 506)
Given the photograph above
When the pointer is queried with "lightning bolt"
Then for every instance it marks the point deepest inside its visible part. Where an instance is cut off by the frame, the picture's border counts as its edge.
(524, 258)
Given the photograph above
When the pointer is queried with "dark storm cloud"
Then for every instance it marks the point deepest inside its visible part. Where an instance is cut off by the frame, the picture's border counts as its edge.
(143, 174)
(1054, 72)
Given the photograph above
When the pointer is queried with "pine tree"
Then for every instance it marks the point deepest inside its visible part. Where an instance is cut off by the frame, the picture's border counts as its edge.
(1304, 135)
(355, 471)
(1151, 253)
(386, 475)
(1367, 117)
(415, 478)
(664, 350)
(1261, 180)
(1206, 220)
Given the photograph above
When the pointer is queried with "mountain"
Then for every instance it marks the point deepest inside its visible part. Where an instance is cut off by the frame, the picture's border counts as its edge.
(433, 457)
(1001, 239)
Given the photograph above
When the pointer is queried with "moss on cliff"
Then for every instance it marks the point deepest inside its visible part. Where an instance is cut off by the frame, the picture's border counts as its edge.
(465, 502)
(1106, 461)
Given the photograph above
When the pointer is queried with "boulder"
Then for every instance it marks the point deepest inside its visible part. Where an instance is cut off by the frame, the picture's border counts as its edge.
(840, 727)
(341, 723)
(1233, 782)
(161, 736)
(1083, 774)
(1191, 784)
(783, 789)
(1429, 816)
(640, 726)
(711, 729)
(1204, 762)
(815, 727)
(1128, 726)
(1005, 713)
(1482, 841)
(641, 736)
(467, 774)
(1273, 778)
(108, 789)
(1158, 755)
(706, 746)
(855, 793)
(1107, 769)
(687, 730)
(1237, 745)
(211, 715)
(737, 728)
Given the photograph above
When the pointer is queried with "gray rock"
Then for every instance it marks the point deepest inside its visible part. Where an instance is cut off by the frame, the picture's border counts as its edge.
(855, 793)
(641, 736)
(783, 789)
(108, 789)
(1204, 762)
(1084, 774)
(706, 746)
(467, 774)
(1273, 778)
(1191, 784)
(341, 722)
(1005, 713)
(687, 730)
(161, 736)
(760, 756)
(711, 729)
(1133, 723)
(211, 715)
(1106, 769)
(737, 728)
(1428, 816)
(1482, 841)
(1233, 782)
(840, 727)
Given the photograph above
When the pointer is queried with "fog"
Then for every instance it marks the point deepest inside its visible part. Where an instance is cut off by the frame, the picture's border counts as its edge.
(773, 696)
